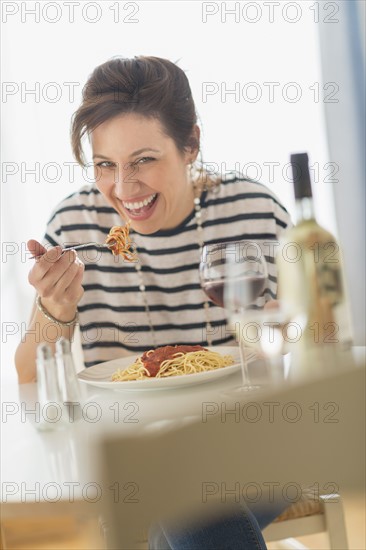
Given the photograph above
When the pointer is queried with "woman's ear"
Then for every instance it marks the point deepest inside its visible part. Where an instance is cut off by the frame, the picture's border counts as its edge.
(194, 142)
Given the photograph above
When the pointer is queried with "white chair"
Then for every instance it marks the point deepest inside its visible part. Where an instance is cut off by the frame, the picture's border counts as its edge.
(165, 470)
(307, 517)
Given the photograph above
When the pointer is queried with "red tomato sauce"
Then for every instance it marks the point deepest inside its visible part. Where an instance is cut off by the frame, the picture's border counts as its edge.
(153, 361)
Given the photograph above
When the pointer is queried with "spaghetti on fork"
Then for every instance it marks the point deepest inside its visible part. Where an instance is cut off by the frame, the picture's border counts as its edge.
(120, 243)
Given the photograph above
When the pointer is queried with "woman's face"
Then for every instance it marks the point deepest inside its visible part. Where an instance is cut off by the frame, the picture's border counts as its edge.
(141, 173)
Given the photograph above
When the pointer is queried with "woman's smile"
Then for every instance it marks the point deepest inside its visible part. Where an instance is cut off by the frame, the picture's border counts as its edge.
(140, 208)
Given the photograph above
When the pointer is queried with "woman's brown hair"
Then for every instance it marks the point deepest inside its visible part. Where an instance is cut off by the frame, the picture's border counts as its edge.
(148, 86)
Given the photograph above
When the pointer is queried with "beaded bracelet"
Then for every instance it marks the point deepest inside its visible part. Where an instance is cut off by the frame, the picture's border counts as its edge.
(50, 317)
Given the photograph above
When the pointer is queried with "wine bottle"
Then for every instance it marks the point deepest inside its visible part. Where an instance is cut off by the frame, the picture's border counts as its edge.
(311, 284)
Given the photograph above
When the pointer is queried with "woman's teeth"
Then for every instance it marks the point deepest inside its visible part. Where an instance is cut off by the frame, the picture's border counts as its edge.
(140, 204)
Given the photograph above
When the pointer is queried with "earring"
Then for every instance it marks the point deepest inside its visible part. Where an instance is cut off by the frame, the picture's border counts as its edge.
(192, 172)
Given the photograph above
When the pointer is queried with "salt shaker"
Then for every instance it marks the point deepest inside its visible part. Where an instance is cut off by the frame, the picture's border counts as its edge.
(68, 380)
(49, 397)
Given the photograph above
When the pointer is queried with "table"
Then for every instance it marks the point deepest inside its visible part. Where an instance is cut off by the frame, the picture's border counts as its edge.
(59, 467)
(51, 471)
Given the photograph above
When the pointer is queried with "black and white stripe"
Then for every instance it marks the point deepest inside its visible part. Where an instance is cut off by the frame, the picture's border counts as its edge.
(113, 321)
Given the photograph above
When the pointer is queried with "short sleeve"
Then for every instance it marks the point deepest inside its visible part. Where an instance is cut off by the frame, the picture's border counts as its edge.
(282, 217)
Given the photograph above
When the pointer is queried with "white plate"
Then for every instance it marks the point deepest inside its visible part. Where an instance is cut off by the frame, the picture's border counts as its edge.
(100, 375)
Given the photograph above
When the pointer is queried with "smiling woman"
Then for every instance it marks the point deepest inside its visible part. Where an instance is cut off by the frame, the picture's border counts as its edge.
(140, 119)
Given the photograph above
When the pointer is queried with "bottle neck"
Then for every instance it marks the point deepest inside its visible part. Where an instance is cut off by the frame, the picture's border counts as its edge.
(305, 209)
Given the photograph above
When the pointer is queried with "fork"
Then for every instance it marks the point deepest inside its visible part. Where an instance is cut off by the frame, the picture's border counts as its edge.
(80, 247)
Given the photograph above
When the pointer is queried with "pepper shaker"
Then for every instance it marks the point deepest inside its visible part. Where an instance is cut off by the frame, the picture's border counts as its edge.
(68, 380)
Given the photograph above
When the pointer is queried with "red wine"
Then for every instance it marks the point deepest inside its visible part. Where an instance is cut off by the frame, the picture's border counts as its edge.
(244, 291)
(215, 291)
(249, 288)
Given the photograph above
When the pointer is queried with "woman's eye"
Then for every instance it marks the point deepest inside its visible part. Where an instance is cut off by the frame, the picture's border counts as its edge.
(143, 160)
(105, 164)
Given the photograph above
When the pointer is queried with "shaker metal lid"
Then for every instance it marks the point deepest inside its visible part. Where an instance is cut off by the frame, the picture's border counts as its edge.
(44, 352)
(63, 346)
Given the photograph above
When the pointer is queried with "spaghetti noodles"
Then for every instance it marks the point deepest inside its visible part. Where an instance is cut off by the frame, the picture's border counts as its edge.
(173, 361)
(120, 242)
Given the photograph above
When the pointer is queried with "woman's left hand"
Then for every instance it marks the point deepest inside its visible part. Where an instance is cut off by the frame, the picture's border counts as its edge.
(272, 304)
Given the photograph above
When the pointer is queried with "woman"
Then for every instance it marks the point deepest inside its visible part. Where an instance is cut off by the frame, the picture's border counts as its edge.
(140, 118)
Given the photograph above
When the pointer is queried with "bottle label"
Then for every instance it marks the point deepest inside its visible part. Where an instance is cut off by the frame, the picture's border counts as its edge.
(314, 285)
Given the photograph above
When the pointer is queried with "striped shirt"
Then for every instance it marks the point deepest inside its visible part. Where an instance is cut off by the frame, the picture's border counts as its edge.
(113, 320)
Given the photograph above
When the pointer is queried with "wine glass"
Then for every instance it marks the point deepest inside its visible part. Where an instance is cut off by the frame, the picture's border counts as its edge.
(234, 275)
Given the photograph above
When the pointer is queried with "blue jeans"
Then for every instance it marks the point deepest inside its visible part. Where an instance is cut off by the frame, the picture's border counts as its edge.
(241, 530)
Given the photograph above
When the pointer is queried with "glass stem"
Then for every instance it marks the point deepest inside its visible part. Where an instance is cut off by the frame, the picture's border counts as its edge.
(244, 364)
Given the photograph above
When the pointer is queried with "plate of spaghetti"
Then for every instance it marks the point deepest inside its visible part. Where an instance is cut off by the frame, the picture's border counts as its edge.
(166, 367)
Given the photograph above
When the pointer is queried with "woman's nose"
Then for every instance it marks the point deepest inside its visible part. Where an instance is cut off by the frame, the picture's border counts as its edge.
(126, 179)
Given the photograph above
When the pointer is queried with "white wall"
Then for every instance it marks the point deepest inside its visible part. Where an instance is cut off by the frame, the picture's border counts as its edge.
(343, 61)
(253, 45)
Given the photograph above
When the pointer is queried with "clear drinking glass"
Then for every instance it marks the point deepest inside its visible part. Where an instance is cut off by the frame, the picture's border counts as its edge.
(271, 332)
(49, 395)
(234, 275)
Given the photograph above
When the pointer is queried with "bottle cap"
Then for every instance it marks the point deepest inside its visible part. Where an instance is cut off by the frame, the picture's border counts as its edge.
(301, 175)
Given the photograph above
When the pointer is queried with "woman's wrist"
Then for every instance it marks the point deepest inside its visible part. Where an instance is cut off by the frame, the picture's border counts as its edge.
(65, 315)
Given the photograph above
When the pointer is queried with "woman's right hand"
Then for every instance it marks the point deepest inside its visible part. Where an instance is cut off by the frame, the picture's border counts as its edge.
(57, 278)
